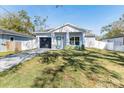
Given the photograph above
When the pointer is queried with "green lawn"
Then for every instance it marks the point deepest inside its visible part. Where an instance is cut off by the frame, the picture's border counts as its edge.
(68, 68)
(6, 53)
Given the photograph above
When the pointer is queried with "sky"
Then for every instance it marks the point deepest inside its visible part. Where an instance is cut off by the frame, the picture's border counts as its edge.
(88, 17)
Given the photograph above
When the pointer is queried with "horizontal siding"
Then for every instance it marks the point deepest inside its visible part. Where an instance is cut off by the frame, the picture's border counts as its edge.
(2, 41)
(5, 38)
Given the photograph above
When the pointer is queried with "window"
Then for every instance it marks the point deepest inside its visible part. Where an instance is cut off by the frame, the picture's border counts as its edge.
(75, 41)
(11, 38)
(58, 38)
(72, 41)
(123, 40)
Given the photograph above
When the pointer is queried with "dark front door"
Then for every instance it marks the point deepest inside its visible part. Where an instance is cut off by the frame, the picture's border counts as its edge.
(45, 42)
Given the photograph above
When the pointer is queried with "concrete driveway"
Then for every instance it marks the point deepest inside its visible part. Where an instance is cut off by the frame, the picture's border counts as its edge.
(12, 60)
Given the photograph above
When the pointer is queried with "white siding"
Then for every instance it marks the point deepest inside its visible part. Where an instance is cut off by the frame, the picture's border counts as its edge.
(67, 29)
(89, 42)
(28, 44)
(41, 35)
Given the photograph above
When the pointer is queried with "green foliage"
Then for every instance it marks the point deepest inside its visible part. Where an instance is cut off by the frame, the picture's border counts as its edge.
(82, 47)
(114, 29)
(77, 47)
(69, 47)
(39, 23)
(19, 21)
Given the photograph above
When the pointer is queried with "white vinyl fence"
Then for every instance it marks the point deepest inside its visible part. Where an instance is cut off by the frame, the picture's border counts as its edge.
(95, 44)
(119, 48)
(103, 45)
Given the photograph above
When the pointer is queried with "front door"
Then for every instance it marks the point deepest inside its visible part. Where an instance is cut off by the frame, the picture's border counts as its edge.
(59, 42)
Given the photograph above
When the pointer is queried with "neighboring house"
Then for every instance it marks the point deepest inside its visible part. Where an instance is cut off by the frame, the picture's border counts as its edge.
(14, 41)
(61, 36)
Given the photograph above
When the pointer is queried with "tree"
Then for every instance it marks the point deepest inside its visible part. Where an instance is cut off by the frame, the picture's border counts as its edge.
(40, 23)
(114, 29)
(21, 22)
(26, 23)
(18, 21)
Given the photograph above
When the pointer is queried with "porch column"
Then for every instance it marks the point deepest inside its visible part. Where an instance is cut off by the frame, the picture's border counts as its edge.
(67, 39)
(38, 41)
(53, 40)
(83, 38)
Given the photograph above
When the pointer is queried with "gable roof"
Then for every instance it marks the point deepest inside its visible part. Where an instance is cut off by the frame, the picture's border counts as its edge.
(11, 32)
(67, 24)
(70, 25)
(89, 34)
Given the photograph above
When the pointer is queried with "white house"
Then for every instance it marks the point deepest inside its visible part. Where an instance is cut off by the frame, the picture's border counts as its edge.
(57, 38)
(61, 36)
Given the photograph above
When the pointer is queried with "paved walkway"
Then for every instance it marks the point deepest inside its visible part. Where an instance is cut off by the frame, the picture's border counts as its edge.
(12, 60)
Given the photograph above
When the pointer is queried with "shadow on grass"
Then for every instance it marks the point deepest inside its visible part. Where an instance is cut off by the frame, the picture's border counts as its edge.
(49, 78)
(77, 61)
(111, 56)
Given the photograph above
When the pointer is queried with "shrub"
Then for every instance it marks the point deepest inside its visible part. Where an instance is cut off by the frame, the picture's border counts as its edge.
(77, 47)
(69, 47)
(82, 47)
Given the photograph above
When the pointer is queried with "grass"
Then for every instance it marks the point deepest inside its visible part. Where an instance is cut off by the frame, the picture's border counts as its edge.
(73, 68)
(2, 54)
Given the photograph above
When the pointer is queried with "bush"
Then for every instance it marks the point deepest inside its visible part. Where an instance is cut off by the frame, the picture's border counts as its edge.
(77, 47)
(69, 47)
(82, 47)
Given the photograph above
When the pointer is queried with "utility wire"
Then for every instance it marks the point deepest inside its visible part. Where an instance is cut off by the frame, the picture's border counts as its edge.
(8, 13)
(6, 10)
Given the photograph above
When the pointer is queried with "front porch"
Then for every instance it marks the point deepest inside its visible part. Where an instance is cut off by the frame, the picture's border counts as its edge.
(62, 39)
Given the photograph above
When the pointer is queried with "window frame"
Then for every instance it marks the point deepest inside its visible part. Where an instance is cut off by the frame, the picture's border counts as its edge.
(73, 40)
(123, 40)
